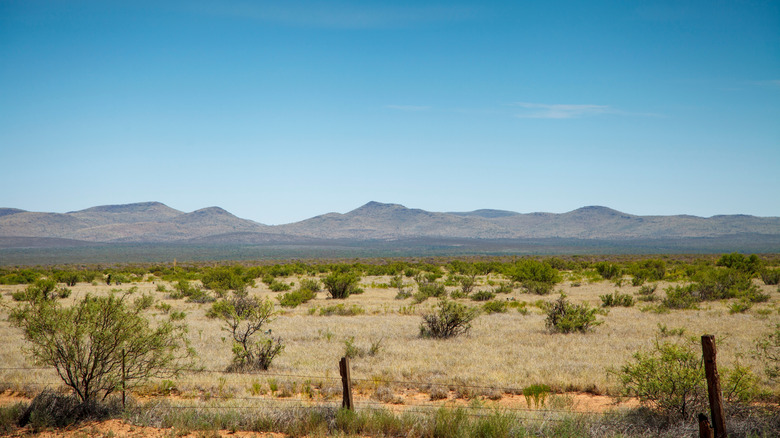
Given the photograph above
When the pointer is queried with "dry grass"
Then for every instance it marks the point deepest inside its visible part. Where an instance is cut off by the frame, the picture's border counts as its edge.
(503, 350)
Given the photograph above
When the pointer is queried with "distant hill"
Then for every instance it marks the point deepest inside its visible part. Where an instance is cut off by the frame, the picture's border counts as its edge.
(154, 222)
(145, 222)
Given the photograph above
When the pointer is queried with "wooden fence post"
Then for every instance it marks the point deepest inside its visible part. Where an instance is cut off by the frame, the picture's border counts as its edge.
(705, 431)
(713, 385)
(346, 383)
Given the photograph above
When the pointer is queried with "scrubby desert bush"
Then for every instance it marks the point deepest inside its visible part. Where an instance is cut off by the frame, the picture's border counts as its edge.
(616, 299)
(296, 298)
(495, 307)
(607, 270)
(483, 295)
(566, 317)
(279, 286)
(768, 351)
(244, 318)
(342, 310)
(311, 284)
(749, 265)
(449, 319)
(428, 287)
(770, 277)
(537, 287)
(668, 378)
(91, 342)
(532, 270)
(341, 285)
(226, 278)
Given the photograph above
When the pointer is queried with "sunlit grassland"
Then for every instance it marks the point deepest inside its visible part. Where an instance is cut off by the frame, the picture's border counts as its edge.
(503, 351)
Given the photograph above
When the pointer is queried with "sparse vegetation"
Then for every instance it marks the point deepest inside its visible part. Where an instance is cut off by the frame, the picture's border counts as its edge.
(101, 343)
(474, 367)
(244, 317)
(566, 317)
(448, 320)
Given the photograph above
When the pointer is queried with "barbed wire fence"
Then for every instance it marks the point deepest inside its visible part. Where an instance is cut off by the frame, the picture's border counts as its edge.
(227, 401)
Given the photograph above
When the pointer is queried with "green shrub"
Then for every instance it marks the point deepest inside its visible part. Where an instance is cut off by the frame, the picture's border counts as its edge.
(647, 289)
(532, 270)
(244, 317)
(749, 265)
(342, 310)
(770, 277)
(669, 378)
(449, 319)
(537, 287)
(311, 284)
(740, 307)
(495, 307)
(768, 352)
(87, 342)
(226, 278)
(341, 285)
(607, 270)
(351, 350)
(616, 299)
(565, 317)
(483, 295)
(503, 288)
(296, 298)
(278, 286)
(680, 297)
(537, 394)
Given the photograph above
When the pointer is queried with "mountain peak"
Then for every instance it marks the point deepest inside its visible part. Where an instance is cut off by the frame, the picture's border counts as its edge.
(126, 208)
(598, 210)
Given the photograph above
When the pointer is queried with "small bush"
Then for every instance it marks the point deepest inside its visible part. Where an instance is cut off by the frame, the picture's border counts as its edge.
(768, 352)
(680, 297)
(565, 317)
(428, 287)
(740, 307)
(296, 298)
(341, 285)
(770, 277)
(607, 270)
(310, 284)
(448, 320)
(278, 286)
(616, 299)
(537, 287)
(51, 409)
(648, 289)
(537, 394)
(483, 295)
(495, 307)
(351, 350)
(503, 288)
(669, 378)
(342, 310)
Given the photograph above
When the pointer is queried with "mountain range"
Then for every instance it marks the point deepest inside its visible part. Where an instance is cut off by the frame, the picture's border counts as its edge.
(154, 222)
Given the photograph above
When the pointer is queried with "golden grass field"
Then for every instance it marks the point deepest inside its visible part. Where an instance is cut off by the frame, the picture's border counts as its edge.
(502, 354)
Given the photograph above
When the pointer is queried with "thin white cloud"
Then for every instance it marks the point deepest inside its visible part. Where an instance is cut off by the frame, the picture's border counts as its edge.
(408, 107)
(559, 111)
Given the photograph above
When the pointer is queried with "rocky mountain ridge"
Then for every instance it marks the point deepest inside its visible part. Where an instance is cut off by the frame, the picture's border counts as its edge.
(154, 222)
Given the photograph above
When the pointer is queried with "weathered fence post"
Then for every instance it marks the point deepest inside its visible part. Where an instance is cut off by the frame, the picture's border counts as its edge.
(705, 431)
(713, 385)
(346, 383)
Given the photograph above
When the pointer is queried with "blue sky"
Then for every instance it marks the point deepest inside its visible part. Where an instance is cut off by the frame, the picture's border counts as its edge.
(280, 111)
